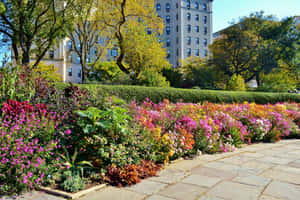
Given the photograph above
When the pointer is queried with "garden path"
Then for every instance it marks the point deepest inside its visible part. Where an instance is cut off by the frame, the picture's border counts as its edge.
(255, 172)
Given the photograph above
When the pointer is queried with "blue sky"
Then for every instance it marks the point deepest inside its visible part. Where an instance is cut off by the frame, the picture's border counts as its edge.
(225, 11)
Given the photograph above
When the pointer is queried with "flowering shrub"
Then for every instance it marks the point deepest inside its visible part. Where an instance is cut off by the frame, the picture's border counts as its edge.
(212, 127)
(28, 143)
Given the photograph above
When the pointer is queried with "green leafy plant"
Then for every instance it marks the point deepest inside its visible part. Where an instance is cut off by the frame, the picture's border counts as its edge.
(73, 182)
(236, 83)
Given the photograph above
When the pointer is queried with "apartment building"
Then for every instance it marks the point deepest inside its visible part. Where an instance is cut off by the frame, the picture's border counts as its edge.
(188, 28)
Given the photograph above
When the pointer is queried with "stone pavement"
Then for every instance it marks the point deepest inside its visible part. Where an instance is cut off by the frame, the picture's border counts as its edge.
(255, 172)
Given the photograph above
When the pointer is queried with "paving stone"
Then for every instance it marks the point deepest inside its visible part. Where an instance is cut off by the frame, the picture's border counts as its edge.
(295, 164)
(169, 176)
(200, 180)
(235, 191)
(237, 160)
(283, 190)
(253, 155)
(242, 171)
(212, 172)
(282, 176)
(288, 155)
(182, 191)
(186, 165)
(222, 166)
(158, 197)
(284, 168)
(46, 197)
(275, 160)
(266, 197)
(147, 187)
(258, 166)
(253, 180)
(210, 198)
(113, 193)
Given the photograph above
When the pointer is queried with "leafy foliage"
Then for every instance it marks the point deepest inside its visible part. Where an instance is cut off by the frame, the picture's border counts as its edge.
(152, 78)
(236, 83)
(139, 94)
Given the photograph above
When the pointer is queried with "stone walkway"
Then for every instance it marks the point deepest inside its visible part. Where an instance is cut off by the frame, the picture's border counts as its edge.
(256, 172)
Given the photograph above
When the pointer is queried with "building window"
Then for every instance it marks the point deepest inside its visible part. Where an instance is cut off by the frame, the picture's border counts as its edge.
(197, 40)
(176, 5)
(196, 5)
(205, 7)
(177, 16)
(168, 54)
(70, 71)
(168, 7)
(205, 19)
(189, 28)
(205, 31)
(189, 52)
(168, 19)
(114, 53)
(177, 40)
(79, 74)
(149, 31)
(177, 52)
(197, 52)
(188, 40)
(70, 45)
(168, 30)
(188, 16)
(158, 7)
(168, 42)
(70, 58)
(188, 4)
(197, 17)
(177, 28)
(205, 42)
(51, 54)
(205, 53)
(197, 29)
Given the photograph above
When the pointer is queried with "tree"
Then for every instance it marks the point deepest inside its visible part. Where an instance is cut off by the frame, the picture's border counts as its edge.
(122, 15)
(143, 50)
(256, 44)
(197, 72)
(90, 37)
(235, 51)
(33, 26)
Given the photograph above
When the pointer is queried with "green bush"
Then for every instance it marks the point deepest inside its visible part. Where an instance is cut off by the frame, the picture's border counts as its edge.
(236, 83)
(139, 94)
(278, 81)
(152, 78)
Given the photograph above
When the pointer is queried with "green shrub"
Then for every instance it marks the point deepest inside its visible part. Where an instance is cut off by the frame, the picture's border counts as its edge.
(236, 83)
(278, 81)
(152, 78)
(139, 94)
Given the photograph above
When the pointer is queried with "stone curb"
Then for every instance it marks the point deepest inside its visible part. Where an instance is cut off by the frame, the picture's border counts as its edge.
(72, 195)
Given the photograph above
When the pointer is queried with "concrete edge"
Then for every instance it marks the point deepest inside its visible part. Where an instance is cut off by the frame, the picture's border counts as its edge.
(72, 195)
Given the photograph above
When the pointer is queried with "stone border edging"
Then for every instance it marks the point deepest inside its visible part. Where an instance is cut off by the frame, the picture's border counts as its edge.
(72, 195)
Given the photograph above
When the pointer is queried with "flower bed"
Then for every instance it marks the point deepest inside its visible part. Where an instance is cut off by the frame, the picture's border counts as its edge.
(77, 140)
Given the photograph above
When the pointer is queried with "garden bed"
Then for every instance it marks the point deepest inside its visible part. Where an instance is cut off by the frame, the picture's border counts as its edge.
(78, 137)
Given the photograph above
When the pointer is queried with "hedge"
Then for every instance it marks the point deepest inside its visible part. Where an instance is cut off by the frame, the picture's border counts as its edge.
(139, 94)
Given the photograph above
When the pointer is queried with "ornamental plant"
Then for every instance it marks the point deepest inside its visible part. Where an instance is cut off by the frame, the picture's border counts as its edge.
(29, 140)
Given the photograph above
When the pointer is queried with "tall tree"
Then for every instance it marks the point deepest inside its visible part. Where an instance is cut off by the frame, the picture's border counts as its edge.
(143, 50)
(33, 26)
(90, 37)
(256, 44)
(120, 15)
